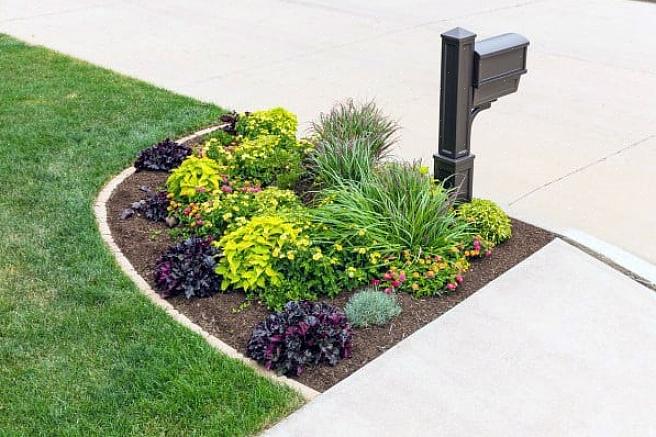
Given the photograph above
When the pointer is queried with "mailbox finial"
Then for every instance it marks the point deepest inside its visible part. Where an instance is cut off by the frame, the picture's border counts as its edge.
(458, 33)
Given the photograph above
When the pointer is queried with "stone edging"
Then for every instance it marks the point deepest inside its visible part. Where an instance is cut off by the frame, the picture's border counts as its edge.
(100, 211)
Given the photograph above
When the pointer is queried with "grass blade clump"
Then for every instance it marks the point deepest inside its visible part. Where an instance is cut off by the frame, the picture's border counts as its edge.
(371, 307)
(336, 161)
(349, 121)
(350, 140)
(399, 207)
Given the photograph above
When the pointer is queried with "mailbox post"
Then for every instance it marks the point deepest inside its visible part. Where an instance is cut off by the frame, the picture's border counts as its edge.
(474, 74)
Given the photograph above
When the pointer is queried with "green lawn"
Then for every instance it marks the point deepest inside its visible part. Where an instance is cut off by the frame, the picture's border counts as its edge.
(82, 352)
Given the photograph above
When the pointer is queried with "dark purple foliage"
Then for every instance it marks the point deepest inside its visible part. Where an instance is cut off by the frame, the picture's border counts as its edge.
(303, 333)
(163, 156)
(188, 268)
(230, 121)
(154, 207)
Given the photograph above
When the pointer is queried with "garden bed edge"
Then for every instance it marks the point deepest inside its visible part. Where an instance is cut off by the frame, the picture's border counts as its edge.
(100, 212)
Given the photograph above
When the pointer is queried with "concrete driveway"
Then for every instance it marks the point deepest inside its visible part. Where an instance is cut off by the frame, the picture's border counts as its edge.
(560, 345)
(575, 148)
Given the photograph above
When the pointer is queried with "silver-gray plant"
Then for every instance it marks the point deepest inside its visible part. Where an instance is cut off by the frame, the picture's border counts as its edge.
(371, 307)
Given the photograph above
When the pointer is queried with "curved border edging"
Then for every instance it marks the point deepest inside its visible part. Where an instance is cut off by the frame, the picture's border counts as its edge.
(100, 212)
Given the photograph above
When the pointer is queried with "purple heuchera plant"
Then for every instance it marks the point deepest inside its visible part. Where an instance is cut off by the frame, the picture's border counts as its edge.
(304, 333)
(230, 122)
(154, 207)
(188, 268)
(162, 156)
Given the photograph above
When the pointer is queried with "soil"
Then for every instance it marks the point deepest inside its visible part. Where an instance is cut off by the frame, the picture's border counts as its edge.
(226, 317)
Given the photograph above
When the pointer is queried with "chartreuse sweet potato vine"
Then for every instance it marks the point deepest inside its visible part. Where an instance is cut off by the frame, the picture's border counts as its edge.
(194, 176)
(277, 122)
(273, 258)
(487, 219)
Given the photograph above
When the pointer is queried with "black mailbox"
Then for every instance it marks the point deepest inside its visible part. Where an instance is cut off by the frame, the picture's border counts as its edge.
(499, 62)
(474, 74)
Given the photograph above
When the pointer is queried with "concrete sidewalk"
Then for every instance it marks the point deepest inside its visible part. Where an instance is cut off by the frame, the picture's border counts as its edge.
(575, 148)
(560, 345)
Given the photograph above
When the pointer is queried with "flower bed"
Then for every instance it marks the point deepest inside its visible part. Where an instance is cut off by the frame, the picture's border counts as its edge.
(263, 219)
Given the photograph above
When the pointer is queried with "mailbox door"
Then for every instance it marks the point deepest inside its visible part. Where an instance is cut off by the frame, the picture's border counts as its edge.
(490, 91)
(498, 64)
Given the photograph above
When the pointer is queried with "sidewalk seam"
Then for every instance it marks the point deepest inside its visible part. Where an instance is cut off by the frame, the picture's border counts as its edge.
(582, 168)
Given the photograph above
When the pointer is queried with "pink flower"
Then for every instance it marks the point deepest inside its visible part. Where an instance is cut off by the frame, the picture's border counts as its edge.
(388, 290)
(226, 189)
(387, 276)
(375, 282)
(488, 253)
(451, 286)
(396, 284)
(459, 279)
(402, 277)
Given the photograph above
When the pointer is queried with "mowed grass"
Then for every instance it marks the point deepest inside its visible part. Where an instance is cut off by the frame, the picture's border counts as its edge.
(81, 351)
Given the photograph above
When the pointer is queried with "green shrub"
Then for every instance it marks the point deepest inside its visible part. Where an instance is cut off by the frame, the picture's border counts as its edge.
(487, 219)
(194, 176)
(399, 207)
(276, 121)
(265, 159)
(349, 121)
(227, 211)
(371, 307)
(196, 214)
(224, 138)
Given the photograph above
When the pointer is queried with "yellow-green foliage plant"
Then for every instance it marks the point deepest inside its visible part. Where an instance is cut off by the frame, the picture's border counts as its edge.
(266, 159)
(228, 211)
(255, 255)
(273, 258)
(194, 176)
(276, 121)
(487, 219)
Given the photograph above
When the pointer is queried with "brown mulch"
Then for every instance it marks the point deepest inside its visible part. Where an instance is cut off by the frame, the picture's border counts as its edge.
(143, 241)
